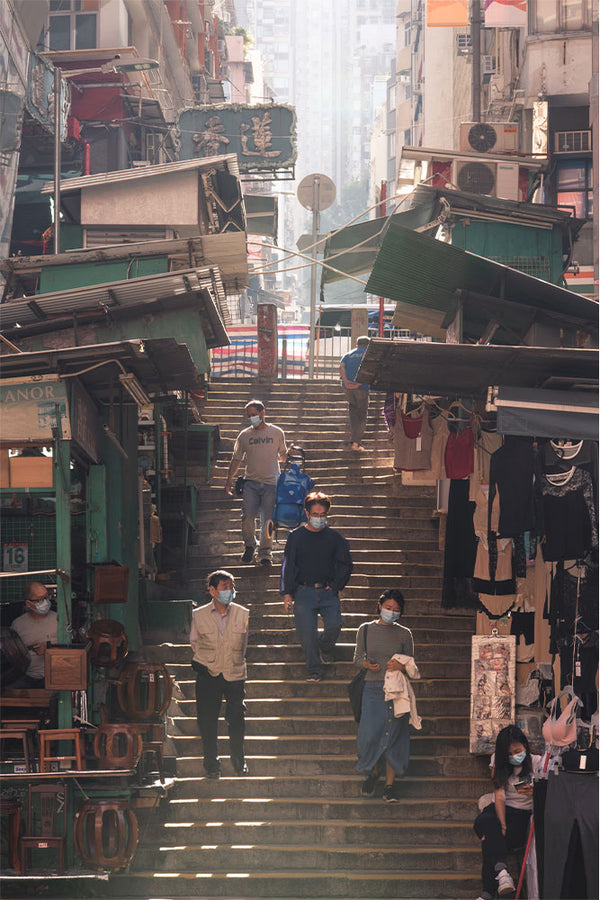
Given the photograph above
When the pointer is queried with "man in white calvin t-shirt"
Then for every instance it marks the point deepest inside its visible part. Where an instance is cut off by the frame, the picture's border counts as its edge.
(263, 447)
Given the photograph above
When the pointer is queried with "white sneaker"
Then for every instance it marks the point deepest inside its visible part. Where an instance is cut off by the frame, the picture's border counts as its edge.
(506, 885)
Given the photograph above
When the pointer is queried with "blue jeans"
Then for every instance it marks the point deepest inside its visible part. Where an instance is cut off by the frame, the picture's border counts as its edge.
(308, 604)
(258, 500)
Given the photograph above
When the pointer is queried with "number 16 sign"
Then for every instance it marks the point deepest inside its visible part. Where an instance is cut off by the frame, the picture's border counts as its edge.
(15, 557)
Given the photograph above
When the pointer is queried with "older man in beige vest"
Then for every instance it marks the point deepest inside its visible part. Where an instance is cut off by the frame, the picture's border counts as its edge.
(219, 638)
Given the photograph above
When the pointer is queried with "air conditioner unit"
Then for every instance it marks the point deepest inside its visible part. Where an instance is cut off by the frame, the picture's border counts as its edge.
(493, 179)
(489, 137)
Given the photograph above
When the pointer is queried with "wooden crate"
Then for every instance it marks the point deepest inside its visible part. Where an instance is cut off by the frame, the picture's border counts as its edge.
(111, 584)
(66, 669)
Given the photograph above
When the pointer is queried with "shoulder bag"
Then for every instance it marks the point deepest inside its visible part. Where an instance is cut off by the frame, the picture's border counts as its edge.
(357, 686)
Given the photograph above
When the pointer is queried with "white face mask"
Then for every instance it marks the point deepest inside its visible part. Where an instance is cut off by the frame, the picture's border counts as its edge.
(255, 421)
(42, 607)
(389, 616)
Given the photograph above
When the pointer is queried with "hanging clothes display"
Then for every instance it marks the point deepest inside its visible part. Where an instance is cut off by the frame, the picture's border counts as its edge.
(511, 476)
(436, 471)
(569, 514)
(459, 457)
(570, 826)
(413, 437)
(460, 549)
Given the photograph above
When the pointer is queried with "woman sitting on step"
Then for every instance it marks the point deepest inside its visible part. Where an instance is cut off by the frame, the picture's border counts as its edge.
(504, 824)
(385, 649)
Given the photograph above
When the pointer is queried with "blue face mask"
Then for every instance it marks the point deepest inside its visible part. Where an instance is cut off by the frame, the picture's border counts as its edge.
(517, 759)
(318, 522)
(255, 421)
(42, 607)
(225, 597)
(389, 616)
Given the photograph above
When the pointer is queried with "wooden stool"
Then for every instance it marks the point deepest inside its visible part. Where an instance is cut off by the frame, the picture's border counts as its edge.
(23, 733)
(109, 642)
(106, 833)
(118, 746)
(144, 690)
(47, 738)
(12, 808)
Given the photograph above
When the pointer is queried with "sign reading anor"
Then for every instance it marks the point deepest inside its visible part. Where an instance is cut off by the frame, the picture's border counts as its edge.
(262, 136)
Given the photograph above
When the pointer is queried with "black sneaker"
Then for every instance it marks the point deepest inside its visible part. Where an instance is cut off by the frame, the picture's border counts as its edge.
(213, 771)
(326, 658)
(389, 794)
(248, 555)
(368, 785)
(315, 676)
(266, 563)
(239, 765)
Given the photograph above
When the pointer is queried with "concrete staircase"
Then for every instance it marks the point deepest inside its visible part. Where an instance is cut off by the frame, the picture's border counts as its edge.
(297, 827)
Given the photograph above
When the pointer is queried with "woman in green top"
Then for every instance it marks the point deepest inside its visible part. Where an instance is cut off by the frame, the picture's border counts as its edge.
(383, 741)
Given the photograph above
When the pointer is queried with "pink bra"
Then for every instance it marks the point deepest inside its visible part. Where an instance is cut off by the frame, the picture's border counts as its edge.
(561, 731)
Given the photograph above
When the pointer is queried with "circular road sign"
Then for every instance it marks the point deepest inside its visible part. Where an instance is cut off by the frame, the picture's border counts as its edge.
(325, 191)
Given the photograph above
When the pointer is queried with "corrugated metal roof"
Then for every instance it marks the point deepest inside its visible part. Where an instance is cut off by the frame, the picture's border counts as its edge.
(467, 370)
(227, 161)
(227, 251)
(204, 283)
(353, 250)
(160, 365)
(417, 270)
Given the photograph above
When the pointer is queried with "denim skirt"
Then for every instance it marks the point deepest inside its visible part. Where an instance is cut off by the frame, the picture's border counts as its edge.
(380, 734)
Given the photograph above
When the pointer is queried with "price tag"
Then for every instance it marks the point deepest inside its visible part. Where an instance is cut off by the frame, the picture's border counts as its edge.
(15, 557)
(419, 444)
(151, 677)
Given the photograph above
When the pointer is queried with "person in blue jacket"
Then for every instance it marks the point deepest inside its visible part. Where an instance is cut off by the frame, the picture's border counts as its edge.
(316, 567)
(357, 394)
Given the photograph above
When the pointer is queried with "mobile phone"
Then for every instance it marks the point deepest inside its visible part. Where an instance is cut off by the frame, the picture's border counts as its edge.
(523, 782)
(369, 659)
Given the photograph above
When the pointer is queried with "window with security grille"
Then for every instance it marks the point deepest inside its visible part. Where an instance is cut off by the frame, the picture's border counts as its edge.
(537, 266)
(73, 24)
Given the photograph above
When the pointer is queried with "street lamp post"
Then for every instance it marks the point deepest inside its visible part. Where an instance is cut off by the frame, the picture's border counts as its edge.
(117, 65)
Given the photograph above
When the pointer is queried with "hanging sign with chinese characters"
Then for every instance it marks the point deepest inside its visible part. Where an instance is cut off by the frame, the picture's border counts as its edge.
(263, 137)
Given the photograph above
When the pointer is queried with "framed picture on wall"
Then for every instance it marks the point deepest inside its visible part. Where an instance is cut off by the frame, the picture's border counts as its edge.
(493, 684)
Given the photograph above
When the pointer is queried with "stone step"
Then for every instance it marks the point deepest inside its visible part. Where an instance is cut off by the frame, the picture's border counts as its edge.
(310, 766)
(287, 678)
(263, 617)
(255, 690)
(263, 727)
(294, 708)
(324, 787)
(190, 745)
(293, 885)
(442, 651)
(461, 855)
(243, 813)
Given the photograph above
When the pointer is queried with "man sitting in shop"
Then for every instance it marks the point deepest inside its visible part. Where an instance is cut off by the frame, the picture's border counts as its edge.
(37, 627)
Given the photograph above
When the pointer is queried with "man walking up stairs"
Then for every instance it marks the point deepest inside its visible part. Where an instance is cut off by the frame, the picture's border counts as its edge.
(297, 826)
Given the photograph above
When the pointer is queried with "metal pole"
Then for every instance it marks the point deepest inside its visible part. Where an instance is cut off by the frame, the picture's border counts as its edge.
(476, 47)
(57, 156)
(313, 277)
(382, 211)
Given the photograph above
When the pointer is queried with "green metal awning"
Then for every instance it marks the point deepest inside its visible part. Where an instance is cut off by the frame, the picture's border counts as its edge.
(467, 370)
(261, 214)
(353, 250)
(418, 271)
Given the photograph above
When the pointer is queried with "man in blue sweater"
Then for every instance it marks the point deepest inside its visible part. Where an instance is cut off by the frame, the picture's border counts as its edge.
(316, 567)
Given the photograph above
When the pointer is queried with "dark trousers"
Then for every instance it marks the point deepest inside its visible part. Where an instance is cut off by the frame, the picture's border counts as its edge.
(210, 692)
(495, 845)
(358, 406)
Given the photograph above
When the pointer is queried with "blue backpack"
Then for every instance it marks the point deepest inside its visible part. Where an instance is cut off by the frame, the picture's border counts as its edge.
(293, 485)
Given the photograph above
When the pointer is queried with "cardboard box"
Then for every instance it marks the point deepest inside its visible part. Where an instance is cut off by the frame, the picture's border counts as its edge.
(30, 471)
(4, 470)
